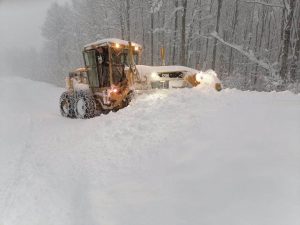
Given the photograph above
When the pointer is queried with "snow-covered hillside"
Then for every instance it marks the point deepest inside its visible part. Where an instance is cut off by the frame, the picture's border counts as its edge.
(191, 156)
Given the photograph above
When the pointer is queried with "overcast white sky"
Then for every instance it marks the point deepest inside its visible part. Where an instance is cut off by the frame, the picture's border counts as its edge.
(21, 22)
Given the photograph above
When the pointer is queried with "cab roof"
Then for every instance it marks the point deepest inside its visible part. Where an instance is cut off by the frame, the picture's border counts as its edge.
(110, 41)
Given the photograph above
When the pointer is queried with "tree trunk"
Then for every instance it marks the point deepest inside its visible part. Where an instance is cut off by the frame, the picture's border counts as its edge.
(152, 38)
(282, 31)
(260, 40)
(286, 40)
(190, 35)
(175, 34)
(143, 27)
(183, 34)
(207, 40)
(122, 26)
(235, 21)
(269, 32)
(296, 57)
(217, 30)
(128, 19)
(164, 36)
(198, 47)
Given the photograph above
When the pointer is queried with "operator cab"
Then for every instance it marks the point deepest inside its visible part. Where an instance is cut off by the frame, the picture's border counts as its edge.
(106, 60)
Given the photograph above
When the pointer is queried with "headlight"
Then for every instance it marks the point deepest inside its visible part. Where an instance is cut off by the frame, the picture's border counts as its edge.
(114, 90)
(154, 76)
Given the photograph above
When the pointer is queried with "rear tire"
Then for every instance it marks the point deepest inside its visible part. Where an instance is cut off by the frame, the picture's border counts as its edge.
(105, 112)
(66, 104)
(85, 105)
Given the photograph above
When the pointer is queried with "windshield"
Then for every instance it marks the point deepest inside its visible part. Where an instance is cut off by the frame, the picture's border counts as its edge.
(121, 57)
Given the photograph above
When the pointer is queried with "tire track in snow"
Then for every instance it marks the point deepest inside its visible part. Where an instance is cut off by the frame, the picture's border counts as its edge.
(12, 189)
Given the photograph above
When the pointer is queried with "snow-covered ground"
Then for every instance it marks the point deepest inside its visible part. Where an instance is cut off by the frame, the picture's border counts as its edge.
(184, 157)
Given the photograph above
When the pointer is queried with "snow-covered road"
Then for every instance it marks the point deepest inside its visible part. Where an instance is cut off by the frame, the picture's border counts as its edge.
(182, 157)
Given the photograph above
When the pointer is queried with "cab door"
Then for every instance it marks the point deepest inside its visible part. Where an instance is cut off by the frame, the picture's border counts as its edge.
(91, 65)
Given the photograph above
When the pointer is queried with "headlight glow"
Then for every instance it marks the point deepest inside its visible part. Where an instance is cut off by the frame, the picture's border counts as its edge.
(154, 76)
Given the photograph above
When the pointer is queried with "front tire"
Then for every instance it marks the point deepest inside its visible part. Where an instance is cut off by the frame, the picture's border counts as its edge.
(128, 99)
(66, 104)
(85, 105)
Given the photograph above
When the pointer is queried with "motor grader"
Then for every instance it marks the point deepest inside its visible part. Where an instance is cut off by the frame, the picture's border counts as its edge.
(106, 83)
(110, 78)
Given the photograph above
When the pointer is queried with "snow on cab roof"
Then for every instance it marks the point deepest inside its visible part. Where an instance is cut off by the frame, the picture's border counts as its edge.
(111, 41)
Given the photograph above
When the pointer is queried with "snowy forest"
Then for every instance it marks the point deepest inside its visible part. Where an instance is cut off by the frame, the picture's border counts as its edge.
(212, 138)
(251, 44)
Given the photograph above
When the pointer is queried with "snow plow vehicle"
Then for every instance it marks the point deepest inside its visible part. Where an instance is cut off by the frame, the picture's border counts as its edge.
(102, 85)
(110, 78)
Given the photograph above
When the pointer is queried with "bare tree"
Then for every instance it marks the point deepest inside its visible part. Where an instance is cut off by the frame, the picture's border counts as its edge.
(234, 25)
(128, 19)
(152, 37)
(217, 30)
(183, 34)
(296, 54)
(289, 8)
(175, 32)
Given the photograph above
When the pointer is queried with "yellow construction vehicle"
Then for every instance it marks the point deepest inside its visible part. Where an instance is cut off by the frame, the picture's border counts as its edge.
(104, 84)
(110, 77)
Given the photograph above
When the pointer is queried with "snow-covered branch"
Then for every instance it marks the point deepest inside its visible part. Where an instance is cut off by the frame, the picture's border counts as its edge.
(250, 55)
(265, 4)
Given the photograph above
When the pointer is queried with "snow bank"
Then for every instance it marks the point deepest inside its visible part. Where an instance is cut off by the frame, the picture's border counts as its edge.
(190, 156)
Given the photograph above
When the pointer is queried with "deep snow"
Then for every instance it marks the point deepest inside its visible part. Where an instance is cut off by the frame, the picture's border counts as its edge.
(183, 157)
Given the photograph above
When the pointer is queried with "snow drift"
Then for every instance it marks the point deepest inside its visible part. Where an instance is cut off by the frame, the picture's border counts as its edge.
(190, 156)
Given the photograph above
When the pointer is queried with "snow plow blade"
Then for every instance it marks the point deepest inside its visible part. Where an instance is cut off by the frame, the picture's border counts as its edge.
(168, 77)
(208, 78)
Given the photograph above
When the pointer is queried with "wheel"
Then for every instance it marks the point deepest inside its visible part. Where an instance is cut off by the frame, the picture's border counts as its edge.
(66, 104)
(128, 99)
(105, 112)
(85, 105)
